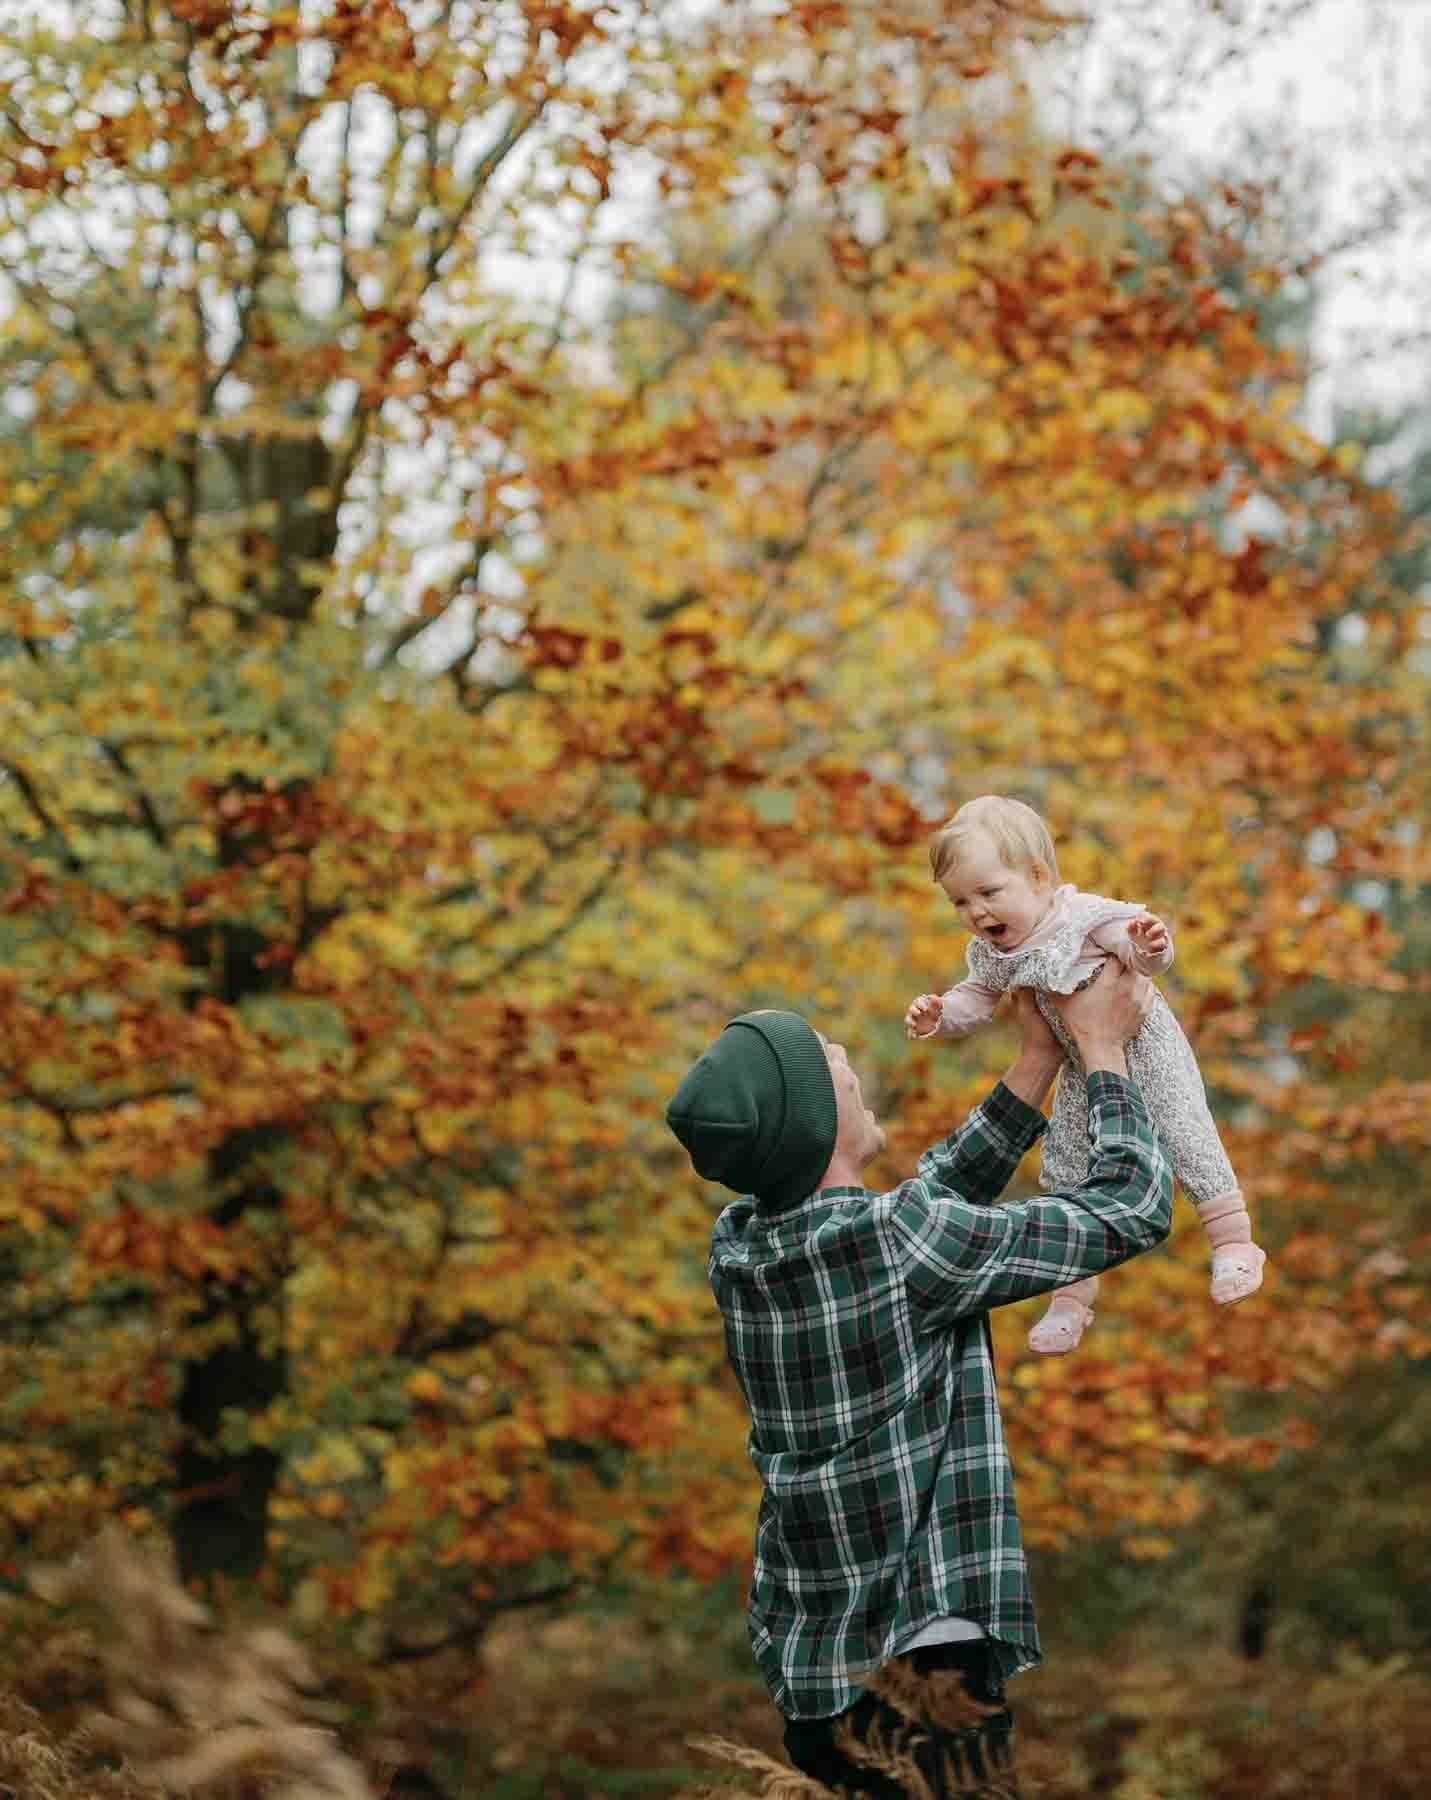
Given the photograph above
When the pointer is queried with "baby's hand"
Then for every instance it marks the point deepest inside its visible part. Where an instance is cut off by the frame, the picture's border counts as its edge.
(1149, 934)
(923, 1016)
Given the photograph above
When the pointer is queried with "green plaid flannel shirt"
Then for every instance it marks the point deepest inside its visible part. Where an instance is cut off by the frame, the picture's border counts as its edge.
(856, 1324)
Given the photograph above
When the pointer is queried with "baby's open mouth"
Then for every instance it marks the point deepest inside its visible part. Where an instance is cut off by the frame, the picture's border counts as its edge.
(995, 931)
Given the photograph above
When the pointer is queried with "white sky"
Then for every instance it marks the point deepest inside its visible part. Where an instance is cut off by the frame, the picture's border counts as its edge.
(1341, 87)
(1339, 93)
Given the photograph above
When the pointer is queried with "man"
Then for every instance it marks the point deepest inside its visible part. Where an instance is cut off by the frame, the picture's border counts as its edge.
(856, 1324)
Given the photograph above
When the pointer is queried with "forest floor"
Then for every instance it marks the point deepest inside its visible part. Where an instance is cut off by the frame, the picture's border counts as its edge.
(582, 1707)
(607, 1703)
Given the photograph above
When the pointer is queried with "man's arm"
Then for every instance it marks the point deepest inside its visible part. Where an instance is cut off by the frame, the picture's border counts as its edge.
(962, 1259)
(974, 1165)
(975, 1162)
(965, 1258)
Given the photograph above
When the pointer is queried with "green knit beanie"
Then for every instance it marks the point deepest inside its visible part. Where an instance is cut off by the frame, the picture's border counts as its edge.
(757, 1112)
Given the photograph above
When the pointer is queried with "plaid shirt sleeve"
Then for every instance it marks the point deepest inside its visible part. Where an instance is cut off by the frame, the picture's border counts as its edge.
(975, 1163)
(963, 1258)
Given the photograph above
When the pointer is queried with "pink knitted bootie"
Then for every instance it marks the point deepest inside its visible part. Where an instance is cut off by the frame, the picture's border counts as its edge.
(1070, 1313)
(1236, 1261)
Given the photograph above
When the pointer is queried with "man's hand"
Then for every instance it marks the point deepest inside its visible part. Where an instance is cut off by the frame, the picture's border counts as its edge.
(1102, 1018)
(923, 1016)
(1149, 934)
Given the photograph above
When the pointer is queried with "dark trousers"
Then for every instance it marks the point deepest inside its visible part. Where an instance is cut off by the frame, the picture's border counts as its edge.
(977, 1759)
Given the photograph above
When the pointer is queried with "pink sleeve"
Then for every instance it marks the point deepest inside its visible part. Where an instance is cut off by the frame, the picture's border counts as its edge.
(965, 1008)
(1114, 938)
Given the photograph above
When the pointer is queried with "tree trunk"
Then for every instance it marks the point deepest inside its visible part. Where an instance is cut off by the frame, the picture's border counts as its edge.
(1255, 1618)
(220, 1519)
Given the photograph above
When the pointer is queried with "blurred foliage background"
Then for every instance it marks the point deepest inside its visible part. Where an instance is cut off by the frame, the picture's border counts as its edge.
(519, 518)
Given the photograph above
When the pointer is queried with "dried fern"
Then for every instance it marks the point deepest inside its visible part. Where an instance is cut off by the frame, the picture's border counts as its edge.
(776, 1780)
(32, 1764)
(192, 1708)
(922, 1703)
(891, 1752)
(937, 1697)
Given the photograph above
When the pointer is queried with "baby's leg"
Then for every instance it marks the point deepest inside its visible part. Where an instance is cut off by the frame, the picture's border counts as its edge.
(1161, 1061)
(1065, 1165)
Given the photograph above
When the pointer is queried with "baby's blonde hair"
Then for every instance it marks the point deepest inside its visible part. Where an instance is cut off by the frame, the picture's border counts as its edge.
(1015, 830)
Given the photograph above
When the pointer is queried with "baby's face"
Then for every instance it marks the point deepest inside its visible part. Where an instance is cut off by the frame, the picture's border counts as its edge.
(1001, 905)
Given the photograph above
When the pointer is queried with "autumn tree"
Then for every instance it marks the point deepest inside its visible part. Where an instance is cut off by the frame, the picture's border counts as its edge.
(519, 518)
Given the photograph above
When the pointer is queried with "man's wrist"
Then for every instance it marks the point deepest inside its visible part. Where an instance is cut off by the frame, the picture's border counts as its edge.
(1032, 1075)
(1103, 1054)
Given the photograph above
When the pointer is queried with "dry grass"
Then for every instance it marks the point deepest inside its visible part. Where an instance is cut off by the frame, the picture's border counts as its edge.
(34, 1764)
(190, 1707)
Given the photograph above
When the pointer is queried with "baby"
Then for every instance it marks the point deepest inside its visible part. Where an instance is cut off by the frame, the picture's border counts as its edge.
(995, 860)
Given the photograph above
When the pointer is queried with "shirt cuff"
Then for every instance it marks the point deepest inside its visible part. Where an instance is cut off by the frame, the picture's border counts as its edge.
(1023, 1125)
(1103, 1082)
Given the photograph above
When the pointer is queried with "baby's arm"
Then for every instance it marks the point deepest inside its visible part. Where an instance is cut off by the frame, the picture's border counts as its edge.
(954, 1014)
(1144, 944)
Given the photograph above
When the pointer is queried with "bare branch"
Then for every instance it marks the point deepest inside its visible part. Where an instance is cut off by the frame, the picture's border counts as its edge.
(363, 417)
(264, 247)
(346, 283)
(487, 166)
(465, 579)
(464, 1637)
(568, 291)
(42, 815)
(538, 946)
(75, 1109)
(153, 824)
(659, 610)
(698, 327)
(467, 1333)
(43, 303)
(557, 847)
(258, 269)
(63, 1112)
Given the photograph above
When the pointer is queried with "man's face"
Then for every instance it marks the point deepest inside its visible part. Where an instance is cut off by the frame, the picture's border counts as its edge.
(858, 1134)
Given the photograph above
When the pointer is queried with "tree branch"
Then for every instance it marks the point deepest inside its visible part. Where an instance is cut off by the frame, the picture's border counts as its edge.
(487, 166)
(43, 303)
(525, 952)
(153, 824)
(264, 247)
(467, 576)
(19, 1325)
(31, 796)
(73, 1109)
(464, 1637)
(347, 286)
(467, 1333)
(343, 470)
(557, 847)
